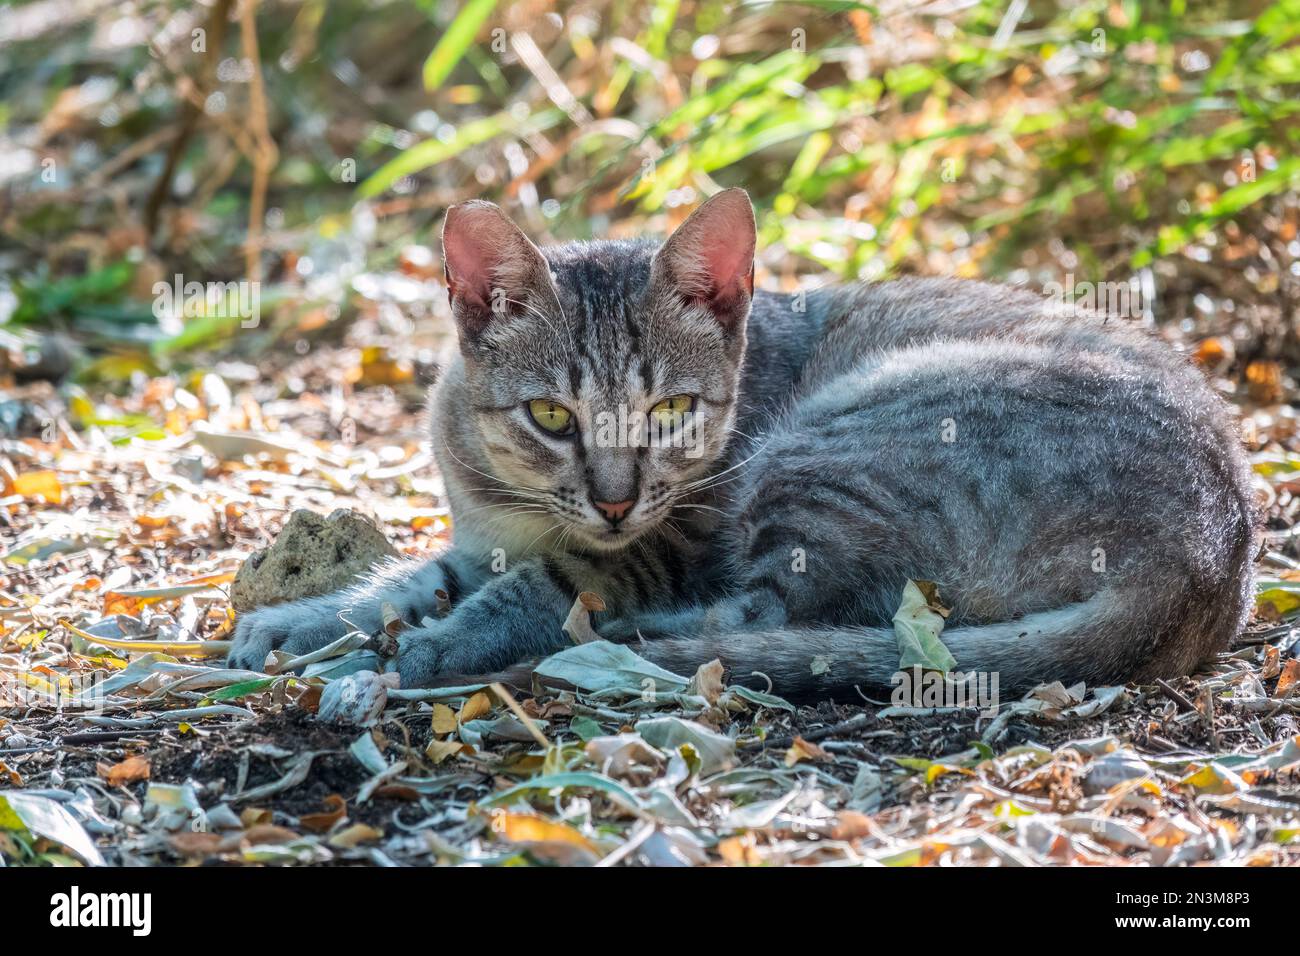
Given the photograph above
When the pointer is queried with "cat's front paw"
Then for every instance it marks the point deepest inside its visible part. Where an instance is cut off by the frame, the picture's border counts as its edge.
(425, 653)
(298, 627)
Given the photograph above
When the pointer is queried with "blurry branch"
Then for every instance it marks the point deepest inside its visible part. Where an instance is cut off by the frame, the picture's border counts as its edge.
(191, 111)
(265, 154)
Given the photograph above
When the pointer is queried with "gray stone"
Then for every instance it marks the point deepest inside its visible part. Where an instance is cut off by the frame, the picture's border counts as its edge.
(311, 556)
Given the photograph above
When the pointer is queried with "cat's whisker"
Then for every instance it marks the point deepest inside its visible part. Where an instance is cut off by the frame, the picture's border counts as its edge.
(528, 547)
(699, 507)
(705, 482)
(506, 491)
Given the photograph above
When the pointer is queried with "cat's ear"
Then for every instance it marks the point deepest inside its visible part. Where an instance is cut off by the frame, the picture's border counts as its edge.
(709, 259)
(491, 265)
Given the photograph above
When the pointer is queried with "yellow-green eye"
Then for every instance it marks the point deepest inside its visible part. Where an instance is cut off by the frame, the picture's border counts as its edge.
(669, 413)
(556, 419)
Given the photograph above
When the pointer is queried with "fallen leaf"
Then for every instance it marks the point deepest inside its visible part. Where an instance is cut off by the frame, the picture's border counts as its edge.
(322, 822)
(578, 624)
(474, 708)
(528, 828)
(355, 835)
(804, 750)
(1289, 677)
(440, 750)
(128, 771)
(707, 682)
(37, 484)
(444, 719)
(917, 626)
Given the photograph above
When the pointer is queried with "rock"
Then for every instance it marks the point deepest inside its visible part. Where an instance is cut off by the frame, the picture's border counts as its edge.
(310, 557)
(357, 699)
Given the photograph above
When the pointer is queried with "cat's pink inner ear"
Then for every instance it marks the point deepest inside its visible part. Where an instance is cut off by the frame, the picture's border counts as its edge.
(711, 255)
(476, 240)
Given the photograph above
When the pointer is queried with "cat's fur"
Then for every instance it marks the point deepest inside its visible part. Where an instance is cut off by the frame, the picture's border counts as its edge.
(1076, 489)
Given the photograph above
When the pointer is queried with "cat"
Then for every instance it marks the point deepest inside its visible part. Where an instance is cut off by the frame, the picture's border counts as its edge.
(783, 464)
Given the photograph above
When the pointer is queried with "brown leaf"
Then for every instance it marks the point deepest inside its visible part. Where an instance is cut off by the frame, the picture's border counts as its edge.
(707, 682)
(253, 816)
(321, 822)
(528, 828)
(1289, 677)
(1264, 382)
(267, 833)
(128, 771)
(37, 484)
(188, 843)
(804, 750)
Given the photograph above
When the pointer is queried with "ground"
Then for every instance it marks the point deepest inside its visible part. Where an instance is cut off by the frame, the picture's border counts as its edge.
(136, 536)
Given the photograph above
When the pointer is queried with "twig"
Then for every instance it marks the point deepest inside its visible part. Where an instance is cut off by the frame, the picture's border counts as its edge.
(265, 153)
(1177, 697)
(190, 113)
(508, 699)
(782, 743)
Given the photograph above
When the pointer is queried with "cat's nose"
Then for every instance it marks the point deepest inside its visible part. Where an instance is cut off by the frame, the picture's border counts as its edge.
(614, 511)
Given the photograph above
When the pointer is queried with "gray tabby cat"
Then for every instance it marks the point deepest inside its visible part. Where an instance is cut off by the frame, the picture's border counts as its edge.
(783, 465)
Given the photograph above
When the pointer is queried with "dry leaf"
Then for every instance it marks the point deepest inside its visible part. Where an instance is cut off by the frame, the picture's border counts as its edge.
(254, 816)
(128, 771)
(474, 708)
(37, 484)
(578, 624)
(528, 828)
(440, 750)
(322, 822)
(444, 719)
(355, 835)
(707, 682)
(804, 750)
(1289, 677)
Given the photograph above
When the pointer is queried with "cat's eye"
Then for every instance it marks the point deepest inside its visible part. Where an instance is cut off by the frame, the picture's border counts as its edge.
(671, 412)
(554, 418)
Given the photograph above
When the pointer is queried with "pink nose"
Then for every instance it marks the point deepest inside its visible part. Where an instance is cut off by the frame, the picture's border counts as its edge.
(614, 510)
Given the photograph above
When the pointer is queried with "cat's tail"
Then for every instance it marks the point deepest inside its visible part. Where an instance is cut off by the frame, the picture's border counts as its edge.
(1116, 636)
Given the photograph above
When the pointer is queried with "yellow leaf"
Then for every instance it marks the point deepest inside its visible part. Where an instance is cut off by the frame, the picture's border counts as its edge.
(444, 719)
(38, 484)
(475, 707)
(356, 834)
(174, 648)
(527, 828)
(440, 750)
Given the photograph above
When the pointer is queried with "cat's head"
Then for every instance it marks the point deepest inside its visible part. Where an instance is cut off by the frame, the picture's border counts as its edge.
(601, 377)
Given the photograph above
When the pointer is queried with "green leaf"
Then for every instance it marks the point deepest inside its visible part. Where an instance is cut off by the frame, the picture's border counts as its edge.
(242, 689)
(431, 152)
(917, 627)
(585, 728)
(453, 44)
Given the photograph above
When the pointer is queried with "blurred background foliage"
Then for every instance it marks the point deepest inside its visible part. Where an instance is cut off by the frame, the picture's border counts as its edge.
(314, 146)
